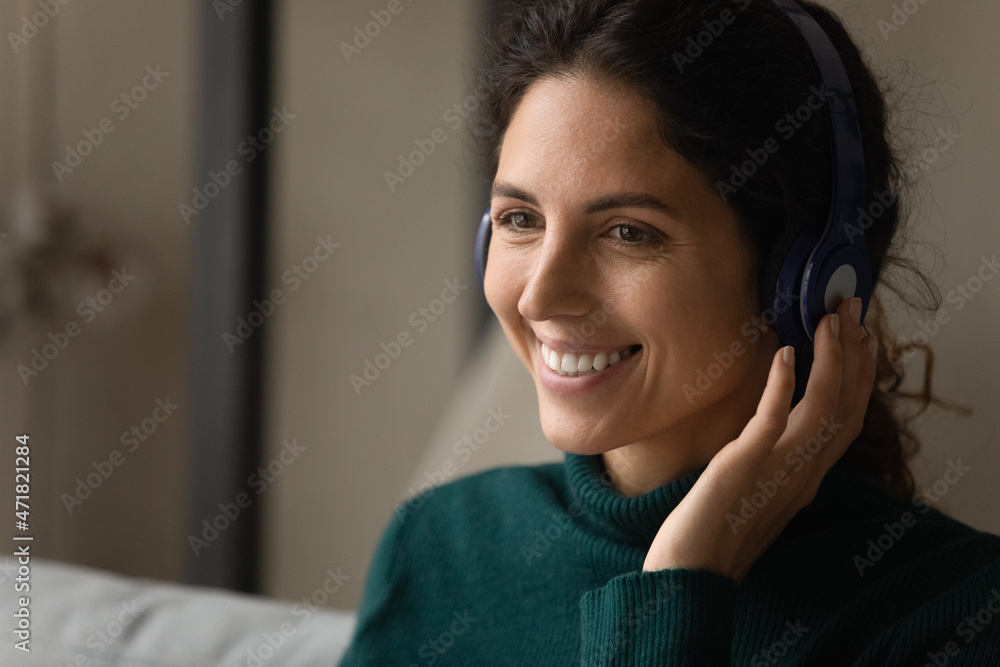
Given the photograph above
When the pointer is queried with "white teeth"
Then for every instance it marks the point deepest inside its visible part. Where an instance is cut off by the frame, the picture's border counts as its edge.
(568, 363)
(572, 364)
(600, 361)
(553, 359)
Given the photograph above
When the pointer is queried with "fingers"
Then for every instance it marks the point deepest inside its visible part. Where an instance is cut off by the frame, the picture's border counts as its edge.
(851, 336)
(822, 395)
(771, 418)
(865, 381)
(840, 382)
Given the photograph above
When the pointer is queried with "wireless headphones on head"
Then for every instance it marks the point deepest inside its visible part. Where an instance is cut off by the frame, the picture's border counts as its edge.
(817, 274)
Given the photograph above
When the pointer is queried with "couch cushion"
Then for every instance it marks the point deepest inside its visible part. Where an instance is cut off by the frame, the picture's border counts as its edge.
(81, 616)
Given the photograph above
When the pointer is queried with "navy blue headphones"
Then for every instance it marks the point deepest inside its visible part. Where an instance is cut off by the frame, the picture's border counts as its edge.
(818, 272)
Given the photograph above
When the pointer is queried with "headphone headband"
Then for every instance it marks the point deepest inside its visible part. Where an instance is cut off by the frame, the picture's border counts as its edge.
(837, 266)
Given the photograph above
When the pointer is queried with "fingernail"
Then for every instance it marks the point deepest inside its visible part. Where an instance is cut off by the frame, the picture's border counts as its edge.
(788, 356)
(835, 325)
(855, 308)
(872, 346)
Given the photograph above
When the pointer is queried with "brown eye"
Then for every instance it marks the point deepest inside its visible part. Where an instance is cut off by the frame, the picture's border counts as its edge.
(519, 220)
(630, 234)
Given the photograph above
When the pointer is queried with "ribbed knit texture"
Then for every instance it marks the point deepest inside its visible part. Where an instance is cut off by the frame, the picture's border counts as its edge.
(542, 565)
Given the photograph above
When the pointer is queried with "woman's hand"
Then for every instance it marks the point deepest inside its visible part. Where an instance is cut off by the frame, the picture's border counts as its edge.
(754, 486)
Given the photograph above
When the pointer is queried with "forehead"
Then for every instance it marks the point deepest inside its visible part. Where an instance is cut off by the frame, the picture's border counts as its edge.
(583, 134)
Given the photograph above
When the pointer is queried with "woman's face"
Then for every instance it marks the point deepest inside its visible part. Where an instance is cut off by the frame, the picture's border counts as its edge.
(604, 240)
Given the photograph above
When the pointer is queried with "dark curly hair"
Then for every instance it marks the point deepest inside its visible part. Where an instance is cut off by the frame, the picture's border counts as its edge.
(720, 74)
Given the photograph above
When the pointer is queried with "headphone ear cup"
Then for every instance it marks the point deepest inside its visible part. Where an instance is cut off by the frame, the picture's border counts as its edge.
(770, 269)
(483, 246)
(782, 303)
(787, 299)
(772, 294)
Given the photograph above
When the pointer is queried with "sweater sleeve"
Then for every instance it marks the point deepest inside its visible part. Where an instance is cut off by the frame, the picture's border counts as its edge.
(669, 617)
(375, 600)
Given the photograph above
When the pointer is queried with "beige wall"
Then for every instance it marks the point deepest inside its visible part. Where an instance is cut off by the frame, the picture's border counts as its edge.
(396, 250)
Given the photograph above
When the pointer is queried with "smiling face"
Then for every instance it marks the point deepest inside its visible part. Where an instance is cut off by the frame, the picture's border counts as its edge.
(605, 240)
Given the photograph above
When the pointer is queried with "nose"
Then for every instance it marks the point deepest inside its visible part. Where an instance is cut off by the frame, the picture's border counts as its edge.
(560, 276)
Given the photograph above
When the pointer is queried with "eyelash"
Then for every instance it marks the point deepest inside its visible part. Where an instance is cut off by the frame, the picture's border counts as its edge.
(504, 221)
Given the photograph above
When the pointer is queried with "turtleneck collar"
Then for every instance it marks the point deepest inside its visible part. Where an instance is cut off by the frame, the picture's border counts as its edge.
(629, 520)
(634, 521)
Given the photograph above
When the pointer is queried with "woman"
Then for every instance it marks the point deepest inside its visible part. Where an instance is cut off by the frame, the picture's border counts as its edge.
(759, 513)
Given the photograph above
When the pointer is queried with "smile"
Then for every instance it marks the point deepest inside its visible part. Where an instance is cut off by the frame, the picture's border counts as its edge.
(572, 365)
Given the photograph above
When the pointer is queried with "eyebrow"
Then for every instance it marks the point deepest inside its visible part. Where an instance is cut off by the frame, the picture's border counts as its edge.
(602, 203)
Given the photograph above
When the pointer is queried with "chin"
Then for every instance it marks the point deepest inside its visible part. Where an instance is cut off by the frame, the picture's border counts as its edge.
(579, 439)
(572, 447)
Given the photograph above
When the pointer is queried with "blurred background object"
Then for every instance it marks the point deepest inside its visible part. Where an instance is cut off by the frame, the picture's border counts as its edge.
(98, 269)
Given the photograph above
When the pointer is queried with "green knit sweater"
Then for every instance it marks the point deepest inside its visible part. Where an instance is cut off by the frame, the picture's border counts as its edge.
(542, 565)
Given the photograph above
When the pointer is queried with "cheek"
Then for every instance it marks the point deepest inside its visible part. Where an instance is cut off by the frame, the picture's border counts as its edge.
(503, 289)
(501, 292)
(690, 326)
(674, 311)
(718, 361)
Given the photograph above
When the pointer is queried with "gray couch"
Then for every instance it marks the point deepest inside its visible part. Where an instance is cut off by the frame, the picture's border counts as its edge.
(81, 616)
